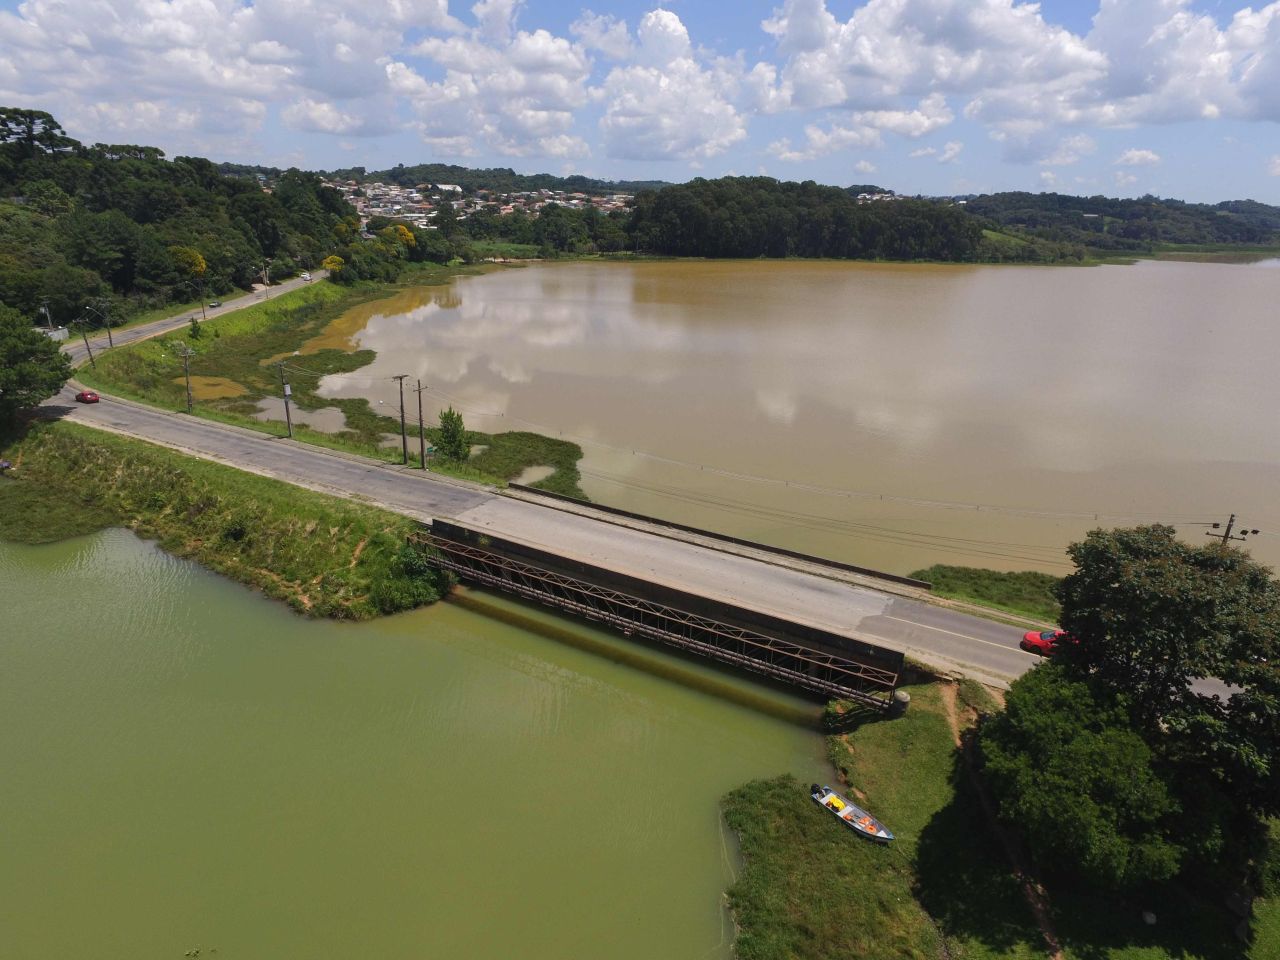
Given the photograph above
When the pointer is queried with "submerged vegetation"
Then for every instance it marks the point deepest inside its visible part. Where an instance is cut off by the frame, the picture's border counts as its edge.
(323, 556)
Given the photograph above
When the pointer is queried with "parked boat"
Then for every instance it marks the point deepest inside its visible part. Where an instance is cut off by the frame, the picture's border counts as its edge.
(850, 814)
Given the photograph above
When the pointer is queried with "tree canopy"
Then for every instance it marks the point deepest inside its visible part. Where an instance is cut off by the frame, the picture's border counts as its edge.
(80, 222)
(1079, 782)
(32, 367)
(1149, 615)
(1110, 223)
(453, 436)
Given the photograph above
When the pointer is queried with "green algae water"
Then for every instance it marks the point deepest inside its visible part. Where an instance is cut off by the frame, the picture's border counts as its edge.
(187, 766)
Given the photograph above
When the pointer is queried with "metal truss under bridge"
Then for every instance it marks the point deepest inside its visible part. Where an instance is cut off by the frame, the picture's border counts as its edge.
(818, 671)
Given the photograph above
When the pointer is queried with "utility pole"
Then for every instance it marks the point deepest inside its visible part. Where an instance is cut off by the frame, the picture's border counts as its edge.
(1226, 534)
(88, 349)
(187, 354)
(105, 318)
(288, 392)
(404, 436)
(422, 434)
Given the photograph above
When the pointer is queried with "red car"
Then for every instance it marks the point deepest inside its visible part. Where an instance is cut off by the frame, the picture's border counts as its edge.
(87, 396)
(1044, 642)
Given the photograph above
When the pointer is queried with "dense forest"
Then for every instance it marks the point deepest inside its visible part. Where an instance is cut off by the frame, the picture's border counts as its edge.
(762, 217)
(88, 232)
(1104, 223)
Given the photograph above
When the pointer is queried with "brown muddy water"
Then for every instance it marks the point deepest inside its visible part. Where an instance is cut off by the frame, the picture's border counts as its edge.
(190, 767)
(889, 415)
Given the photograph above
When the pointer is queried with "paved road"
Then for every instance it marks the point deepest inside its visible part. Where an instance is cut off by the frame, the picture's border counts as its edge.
(75, 346)
(945, 637)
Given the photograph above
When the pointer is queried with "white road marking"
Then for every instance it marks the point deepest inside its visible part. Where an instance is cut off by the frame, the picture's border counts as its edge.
(962, 636)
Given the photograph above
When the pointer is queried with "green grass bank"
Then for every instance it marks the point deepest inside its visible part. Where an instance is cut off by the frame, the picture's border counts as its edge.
(233, 371)
(945, 890)
(1027, 593)
(324, 556)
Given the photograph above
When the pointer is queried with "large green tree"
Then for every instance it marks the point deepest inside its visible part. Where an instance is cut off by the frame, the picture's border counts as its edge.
(1151, 614)
(453, 436)
(1079, 782)
(32, 367)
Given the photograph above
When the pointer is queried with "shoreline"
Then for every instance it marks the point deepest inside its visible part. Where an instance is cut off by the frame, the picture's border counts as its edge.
(320, 554)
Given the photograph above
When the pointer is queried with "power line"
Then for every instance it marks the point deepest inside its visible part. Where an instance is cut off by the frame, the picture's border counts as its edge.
(800, 486)
(969, 547)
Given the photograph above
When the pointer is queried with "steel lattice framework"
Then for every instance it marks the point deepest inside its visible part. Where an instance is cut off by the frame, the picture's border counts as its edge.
(819, 671)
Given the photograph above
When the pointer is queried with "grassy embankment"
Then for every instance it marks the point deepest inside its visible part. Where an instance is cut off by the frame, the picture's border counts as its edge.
(1027, 593)
(324, 556)
(811, 890)
(232, 374)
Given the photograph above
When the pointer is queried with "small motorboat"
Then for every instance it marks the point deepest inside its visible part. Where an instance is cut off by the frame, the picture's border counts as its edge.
(850, 814)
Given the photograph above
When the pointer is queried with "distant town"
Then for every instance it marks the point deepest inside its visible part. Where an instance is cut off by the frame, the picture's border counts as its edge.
(419, 205)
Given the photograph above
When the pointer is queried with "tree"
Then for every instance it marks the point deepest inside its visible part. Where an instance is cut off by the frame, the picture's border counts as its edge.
(32, 367)
(1079, 783)
(189, 261)
(453, 436)
(1151, 614)
(333, 264)
(34, 129)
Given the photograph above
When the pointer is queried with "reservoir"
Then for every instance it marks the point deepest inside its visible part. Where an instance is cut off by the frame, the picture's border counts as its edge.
(891, 415)
(188, 766)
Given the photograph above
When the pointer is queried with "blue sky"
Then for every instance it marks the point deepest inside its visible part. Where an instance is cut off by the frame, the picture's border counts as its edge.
(1179, 98)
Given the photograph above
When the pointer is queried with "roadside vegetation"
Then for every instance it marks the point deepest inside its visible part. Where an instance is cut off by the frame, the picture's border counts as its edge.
(32, 367)
(1106, 810)
(945, 889)
(234, 369)
(1027, 593)
(323, 556)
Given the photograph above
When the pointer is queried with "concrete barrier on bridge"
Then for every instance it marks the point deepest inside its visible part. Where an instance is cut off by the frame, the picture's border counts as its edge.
(725, 538)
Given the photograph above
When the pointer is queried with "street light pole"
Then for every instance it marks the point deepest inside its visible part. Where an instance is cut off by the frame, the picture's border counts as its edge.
(288, 392)
(422, 434)
(404, 436)
(187, 354)
(88, 349)
(106, 320)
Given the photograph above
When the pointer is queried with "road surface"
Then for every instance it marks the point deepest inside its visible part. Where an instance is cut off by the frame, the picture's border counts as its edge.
(793, 590)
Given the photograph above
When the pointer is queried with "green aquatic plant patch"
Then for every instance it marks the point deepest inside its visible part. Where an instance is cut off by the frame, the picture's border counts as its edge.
(324, 556)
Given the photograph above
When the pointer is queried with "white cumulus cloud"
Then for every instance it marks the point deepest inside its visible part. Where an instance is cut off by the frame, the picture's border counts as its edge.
(1138, 158)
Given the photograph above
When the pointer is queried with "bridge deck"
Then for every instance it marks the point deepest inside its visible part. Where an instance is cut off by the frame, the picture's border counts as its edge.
(833, 665)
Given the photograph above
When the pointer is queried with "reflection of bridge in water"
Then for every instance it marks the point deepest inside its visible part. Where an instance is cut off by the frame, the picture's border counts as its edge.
(799, 655)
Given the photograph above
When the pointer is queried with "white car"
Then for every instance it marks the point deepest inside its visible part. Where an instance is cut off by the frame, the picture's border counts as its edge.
(306, 276)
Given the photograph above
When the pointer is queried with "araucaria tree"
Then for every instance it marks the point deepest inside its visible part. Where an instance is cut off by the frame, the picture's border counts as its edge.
(32, 367)
(453, 436)
(1149, 615)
